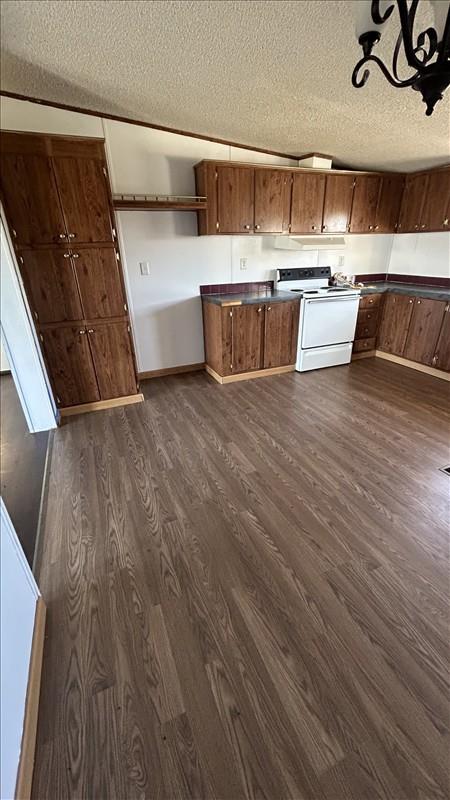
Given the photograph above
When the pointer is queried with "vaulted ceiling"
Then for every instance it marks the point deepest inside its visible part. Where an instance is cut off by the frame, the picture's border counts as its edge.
(272, 74)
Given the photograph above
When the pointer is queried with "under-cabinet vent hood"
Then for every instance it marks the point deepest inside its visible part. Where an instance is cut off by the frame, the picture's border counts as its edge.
(309, 242)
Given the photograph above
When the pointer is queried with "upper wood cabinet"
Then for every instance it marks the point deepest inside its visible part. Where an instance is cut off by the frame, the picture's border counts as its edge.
(436, 207)
(272, 200)
(280, 334)
(393, 331)
(413, 203)
(99, 280)
(426, 322)
(235, 200)
(51, 285)
(365, 203)
(29, 191)
(389, 201)
(338, 203)
(308, 192)
(84, 197)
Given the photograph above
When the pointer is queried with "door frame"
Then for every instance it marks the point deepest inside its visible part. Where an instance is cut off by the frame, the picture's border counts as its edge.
(20, 342)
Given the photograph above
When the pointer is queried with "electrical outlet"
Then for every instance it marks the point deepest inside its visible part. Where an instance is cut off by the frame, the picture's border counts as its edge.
(144, 267)
(243, 263)
(341, 261)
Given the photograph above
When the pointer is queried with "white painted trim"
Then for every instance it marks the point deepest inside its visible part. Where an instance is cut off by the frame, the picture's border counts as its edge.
(20, 342)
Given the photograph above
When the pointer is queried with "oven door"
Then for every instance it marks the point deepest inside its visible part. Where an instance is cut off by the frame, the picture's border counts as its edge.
(328, 321)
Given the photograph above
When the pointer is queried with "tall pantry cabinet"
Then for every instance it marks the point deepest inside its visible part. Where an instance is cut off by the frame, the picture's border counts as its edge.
(57, 200)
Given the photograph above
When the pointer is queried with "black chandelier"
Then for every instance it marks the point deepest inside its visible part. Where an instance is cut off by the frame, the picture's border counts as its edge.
(428, 54)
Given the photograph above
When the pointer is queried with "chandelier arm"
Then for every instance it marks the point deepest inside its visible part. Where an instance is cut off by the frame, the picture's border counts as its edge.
(407, 17)
(394, 81)
(428, 52)
(395, 55)
(377, 17)
(444, 50)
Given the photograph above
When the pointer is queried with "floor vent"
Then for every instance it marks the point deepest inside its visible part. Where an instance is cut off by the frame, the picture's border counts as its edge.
(445, 469)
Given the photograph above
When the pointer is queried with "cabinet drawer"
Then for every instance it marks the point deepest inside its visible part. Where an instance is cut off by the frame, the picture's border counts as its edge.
(365, 330)
(366, 315)
(370, 300)
(363, 344)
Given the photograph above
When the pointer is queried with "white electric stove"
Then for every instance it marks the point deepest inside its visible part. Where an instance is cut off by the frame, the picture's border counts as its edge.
(327, 316)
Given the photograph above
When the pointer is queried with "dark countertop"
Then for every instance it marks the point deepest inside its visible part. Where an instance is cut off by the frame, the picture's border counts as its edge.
(249, 298)
(413, 289)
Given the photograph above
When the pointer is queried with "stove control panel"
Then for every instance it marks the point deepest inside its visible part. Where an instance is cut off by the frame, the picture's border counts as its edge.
(304, 273)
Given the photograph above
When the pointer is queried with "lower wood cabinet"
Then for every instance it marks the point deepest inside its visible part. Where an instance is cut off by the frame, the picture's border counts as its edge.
(441, 358)
(242, 339)
(89, 363)
(395, 322)
(426, 322)
(417, 329)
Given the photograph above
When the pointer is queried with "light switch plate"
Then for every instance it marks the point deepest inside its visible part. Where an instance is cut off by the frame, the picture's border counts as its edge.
(144, 267)
(243, 263)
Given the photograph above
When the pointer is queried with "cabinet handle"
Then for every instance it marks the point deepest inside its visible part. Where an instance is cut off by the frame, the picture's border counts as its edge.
(66, 255)
(257, 227)
(75, 255)
(81, 332)
(418, 302)
(91, 330)
(324, 227)
(259, 310)
(246, 227)
(376, 227)
(412, 301)
(423, 226)
(416, 227)
(445, 222)
(370, 227)
(62, 235)
(313, 227)
(72, 235)
(268, 308)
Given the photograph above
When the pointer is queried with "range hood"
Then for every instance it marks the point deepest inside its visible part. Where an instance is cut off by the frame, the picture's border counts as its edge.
(309, 242)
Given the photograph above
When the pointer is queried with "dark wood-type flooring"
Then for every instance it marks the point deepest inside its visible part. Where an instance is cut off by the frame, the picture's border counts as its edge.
(247, 591)
(22, 464)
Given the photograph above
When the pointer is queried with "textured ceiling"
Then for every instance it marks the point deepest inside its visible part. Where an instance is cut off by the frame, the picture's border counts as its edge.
(274, 75)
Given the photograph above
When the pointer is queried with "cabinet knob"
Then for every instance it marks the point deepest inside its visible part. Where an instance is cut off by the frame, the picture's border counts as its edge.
(376, 227)
(62, 235)
(423, 226)
(324, 227)
(66, 255)
(81, 332)
(91, 330)
(313, 227)
(370, 227)
(75, 255)
(72, 235)
(257, 227)
(259, 310)
(246, 227)
(445, 222)
(411, 301)
(416, 227)
(418, 302)
(269, 308)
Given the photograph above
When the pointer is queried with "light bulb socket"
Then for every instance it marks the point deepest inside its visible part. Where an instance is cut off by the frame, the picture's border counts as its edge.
(368, 40)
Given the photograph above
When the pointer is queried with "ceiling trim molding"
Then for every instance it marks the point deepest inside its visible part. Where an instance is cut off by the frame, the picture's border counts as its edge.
(130, 121)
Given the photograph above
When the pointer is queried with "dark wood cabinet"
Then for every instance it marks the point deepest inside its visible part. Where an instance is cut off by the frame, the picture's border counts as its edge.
(113, 359)
(369, 312)
(241, 339)
(426, 322)
(308, 192)
(69, 361)
(436, 208)
(441, 358)
(100, 282)
(272, 200)
(56, 190)
(51, 285)
(395, 321)
(235, 200)
(389, 202)
(338, 203)
(280, 334)
(365, 203)
(29, 193)
(413, 203)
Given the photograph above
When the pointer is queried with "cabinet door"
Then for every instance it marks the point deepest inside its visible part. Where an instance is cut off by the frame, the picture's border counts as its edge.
(281, 334)
(412, 203)
(98, 274)
(113, 359)
(84, 196)
(441, 358)
(436, 206)
(247, 338)
(308, 193)
(365, 202)
(389, 202)
(426, 322)
(70, 367)
(272, 200)
(338, 203)
(31, 199)
(51, 286)
(395, 321)
(235, 199)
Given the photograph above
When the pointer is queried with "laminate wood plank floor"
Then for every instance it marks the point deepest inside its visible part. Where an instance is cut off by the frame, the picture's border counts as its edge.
(247, 591)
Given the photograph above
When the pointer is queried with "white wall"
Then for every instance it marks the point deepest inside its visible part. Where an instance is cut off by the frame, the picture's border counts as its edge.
(421, 254)
(19, 594)
(164, 306)
(4, 363)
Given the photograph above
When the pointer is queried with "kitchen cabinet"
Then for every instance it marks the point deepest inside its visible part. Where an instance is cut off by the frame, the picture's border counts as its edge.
(389, 202)
(280, 333)
(308, 192)
(338, 203)
(272, 200)
(58, 206)
(365, 203)
(424, 328)
(369, 312)
(250, 338)
(413, 203)
(51, 285)
(395, 320)
(69, 361)
(436, 208)
(441, 358)
(235, 200)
